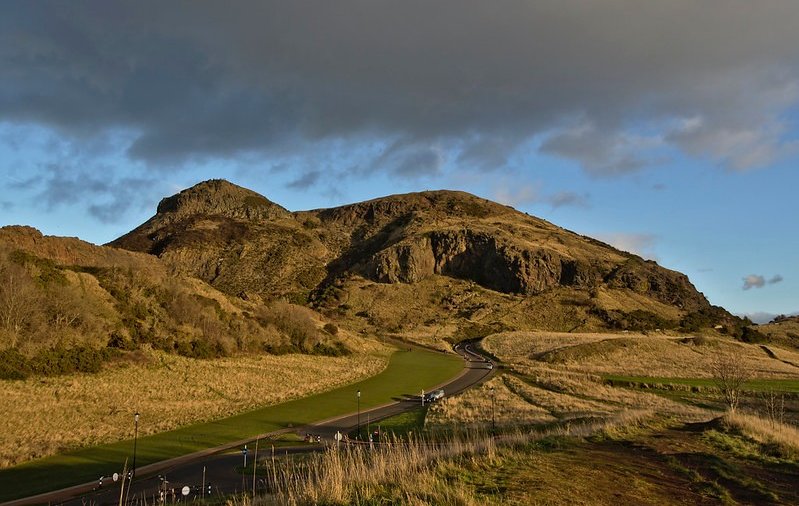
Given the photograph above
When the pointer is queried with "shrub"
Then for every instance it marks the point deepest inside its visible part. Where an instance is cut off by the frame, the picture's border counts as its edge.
(638, 320)
(295, 323)
(46, 271)
(750, 335)
(330, 329)
(57, 361)
(120, 341)
(13, 365)
(335, 349)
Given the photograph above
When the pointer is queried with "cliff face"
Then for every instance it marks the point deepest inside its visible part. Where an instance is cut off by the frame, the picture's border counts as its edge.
(240, 242)
(481, 257)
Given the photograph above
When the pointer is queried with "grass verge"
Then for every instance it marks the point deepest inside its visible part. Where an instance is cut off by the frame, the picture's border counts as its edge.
(407, 373)
(404, 423)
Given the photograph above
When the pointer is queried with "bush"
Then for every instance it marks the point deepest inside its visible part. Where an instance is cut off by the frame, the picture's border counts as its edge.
(120, 341)
(638, 320)
(57, 361)
(336, 349)
(330, 329)
(293, 322)
(13, 365)
(46, 271)
(750, 335)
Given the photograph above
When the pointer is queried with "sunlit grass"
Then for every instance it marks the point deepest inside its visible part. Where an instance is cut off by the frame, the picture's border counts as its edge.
(408, 372)
(45, 416)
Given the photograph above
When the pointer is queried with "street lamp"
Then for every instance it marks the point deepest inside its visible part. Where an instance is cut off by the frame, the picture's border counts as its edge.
(359, 414)
(135, 439)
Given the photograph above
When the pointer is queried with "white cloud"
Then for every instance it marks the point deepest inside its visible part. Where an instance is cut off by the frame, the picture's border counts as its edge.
(754, 281)
(638, 243)
(516, 195)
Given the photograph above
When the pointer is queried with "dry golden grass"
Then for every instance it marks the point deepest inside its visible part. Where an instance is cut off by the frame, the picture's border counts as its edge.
(767, 432)
(473, 408)
(43, 416)
(549, 394)
(397, 473)
(628, 300)
(415, 472)
(638, 355)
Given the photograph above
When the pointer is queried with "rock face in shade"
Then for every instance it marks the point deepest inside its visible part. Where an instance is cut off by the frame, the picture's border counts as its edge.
(240, 242)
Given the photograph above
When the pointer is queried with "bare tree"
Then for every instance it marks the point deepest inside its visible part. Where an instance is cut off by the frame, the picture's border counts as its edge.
(730, 375)
(775, 407)
(17, 301)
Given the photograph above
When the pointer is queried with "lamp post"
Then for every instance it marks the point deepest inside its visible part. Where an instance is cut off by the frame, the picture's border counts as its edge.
(358, 395)
(135, 439)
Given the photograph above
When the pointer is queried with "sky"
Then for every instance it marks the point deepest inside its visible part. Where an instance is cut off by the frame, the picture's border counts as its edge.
(668, 129)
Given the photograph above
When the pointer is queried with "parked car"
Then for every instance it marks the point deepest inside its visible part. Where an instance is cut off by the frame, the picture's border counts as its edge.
(434, 395)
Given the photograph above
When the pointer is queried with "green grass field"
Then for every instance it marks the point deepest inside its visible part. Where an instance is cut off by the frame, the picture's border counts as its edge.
(400, 425)
(755, 385)
(407, 373)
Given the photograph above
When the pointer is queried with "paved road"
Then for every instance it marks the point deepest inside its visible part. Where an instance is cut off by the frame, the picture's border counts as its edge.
(217, 467)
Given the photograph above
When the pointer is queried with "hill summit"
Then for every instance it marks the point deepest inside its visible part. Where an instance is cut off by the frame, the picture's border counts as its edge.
(425, 250)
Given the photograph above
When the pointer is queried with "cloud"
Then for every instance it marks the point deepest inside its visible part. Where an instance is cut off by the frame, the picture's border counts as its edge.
(761, 317)
(411, 160)
(305, 181)
(754, 281)
(641, 244)
(600, 152)
(516, 195)
(568, 199)
(758, 281)
(109, 197)
(187, 82)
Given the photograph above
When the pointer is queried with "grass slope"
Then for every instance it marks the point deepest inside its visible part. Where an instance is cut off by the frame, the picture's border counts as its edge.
(407, 373)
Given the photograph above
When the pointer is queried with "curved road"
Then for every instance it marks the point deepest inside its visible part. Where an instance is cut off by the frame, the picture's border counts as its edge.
(219, 465)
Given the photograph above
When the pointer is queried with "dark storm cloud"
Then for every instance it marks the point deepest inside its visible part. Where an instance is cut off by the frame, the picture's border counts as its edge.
(198, 80)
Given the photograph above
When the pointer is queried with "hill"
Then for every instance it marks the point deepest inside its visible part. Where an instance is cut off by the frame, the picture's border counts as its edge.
(67, 305)
(782, 329)
(442, 263)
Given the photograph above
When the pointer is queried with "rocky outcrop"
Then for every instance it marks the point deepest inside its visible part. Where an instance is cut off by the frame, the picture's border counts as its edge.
(480, 257)
(219, 197)
(648, 278)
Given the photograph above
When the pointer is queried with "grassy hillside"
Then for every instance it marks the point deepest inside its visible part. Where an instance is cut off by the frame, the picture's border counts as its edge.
(69, 306)
(169, 390)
